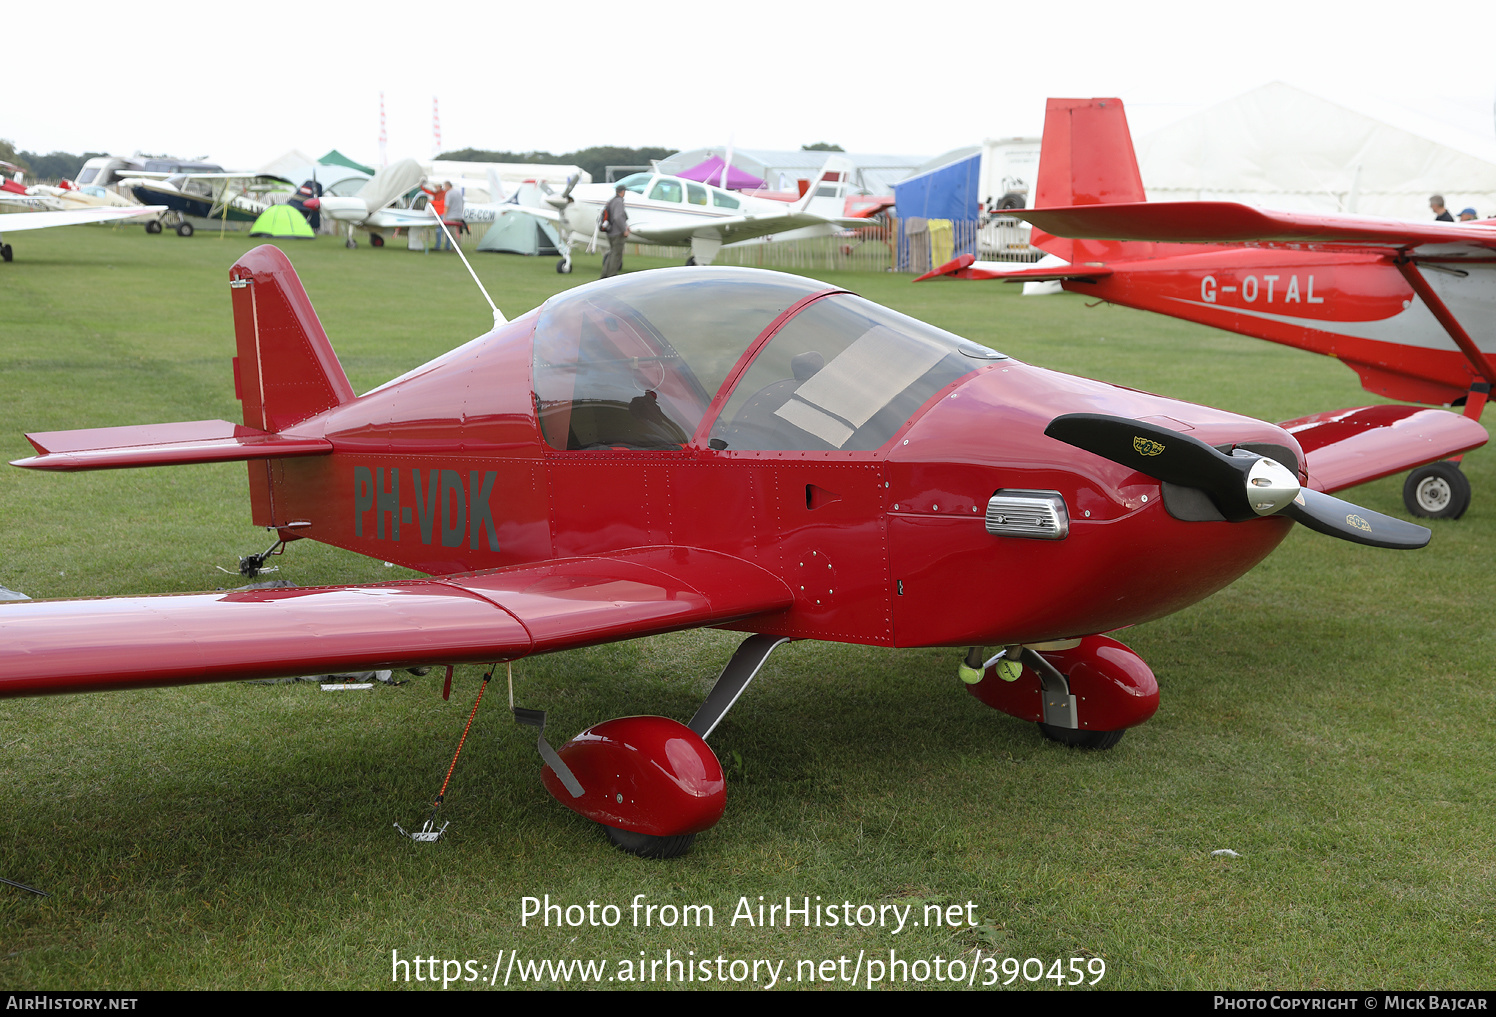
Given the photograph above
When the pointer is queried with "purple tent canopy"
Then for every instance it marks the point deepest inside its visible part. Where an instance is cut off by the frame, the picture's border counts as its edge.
(711, 171)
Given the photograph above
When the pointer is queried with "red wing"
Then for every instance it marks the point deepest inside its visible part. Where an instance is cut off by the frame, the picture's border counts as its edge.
(1224, 222)
(1343, 448)
(54, 646)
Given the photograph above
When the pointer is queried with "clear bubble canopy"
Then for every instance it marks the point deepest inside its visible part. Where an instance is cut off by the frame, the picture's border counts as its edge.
(663, 359)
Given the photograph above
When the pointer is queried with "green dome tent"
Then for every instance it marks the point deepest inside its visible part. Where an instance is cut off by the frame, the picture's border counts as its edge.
(518, 233)
(282, 221)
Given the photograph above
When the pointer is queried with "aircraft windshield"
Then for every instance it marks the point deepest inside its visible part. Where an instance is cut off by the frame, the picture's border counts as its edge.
(635, 182)
(843, 373)
(634, 362)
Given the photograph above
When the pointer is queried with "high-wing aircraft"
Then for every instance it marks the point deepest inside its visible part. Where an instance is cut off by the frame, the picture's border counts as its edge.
(15, 222)
(711, 447)
(1407, 305)
(671, 211)
(199, 190)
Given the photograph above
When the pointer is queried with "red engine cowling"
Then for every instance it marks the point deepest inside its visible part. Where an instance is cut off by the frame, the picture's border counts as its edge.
(651, 775)
(1113, 687)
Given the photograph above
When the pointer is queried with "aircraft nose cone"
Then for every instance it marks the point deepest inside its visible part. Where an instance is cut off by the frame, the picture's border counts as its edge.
(1270, 487)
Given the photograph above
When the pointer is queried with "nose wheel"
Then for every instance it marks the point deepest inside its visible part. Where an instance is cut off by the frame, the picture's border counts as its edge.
(1084, 693)
(1082, 739)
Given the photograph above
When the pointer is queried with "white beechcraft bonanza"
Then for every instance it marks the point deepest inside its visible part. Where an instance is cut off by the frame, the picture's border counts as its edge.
(670, 211)
(13, 222)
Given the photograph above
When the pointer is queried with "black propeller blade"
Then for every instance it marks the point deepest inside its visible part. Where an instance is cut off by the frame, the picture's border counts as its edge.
(1232, 482)
(1327, 514)
(1162, 454)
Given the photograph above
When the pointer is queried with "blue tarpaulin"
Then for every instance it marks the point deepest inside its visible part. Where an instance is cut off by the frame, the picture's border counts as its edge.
(951, 192)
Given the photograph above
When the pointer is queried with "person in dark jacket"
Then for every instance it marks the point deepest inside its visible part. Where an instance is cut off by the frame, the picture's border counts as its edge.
(616, 225)
(1441, 214)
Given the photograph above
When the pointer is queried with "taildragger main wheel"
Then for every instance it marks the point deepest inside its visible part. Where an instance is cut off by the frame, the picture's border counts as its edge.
(651, 783)
(376, 240)
(563, 267)
(184, 229)
(154, 226)
(648, 846)
(1437, 491)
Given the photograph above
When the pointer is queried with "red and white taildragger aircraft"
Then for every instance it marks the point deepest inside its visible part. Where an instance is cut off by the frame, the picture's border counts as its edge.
(1406, 305)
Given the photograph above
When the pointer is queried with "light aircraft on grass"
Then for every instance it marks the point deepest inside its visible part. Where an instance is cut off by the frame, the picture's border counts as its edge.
(721, 447)
(66, 195)
(15, 222)
(1409, 306)
(672, 211)
(373, 208)
(200, 191)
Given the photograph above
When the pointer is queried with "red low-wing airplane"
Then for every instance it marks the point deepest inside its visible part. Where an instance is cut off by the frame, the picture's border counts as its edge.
(1408, 306)
(708, 446)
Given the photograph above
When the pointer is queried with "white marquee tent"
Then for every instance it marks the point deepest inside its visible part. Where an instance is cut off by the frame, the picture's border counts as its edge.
(1280, 147)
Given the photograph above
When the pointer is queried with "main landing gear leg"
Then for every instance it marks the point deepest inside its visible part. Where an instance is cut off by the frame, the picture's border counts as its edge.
(653, 783)
(740, 670)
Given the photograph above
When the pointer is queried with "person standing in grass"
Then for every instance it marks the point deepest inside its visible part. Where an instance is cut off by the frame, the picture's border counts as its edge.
(616, 225)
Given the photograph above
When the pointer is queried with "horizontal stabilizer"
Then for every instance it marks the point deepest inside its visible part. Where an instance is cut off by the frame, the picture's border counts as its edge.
(195, 441)
(62, 646)
(966, 266)
(1343, 448)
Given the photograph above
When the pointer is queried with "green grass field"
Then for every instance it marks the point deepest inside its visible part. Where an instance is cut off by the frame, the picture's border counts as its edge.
(1328, 717)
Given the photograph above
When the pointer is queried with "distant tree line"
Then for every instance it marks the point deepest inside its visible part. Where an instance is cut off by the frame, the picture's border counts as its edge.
(594, 160)
(47, 168)
(56, 166)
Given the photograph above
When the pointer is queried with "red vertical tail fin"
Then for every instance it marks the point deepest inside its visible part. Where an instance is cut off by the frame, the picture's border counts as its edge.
(286, 370)
(1087, 159)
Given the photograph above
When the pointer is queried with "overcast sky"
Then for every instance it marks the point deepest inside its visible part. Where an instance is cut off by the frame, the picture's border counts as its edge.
(241, 84)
